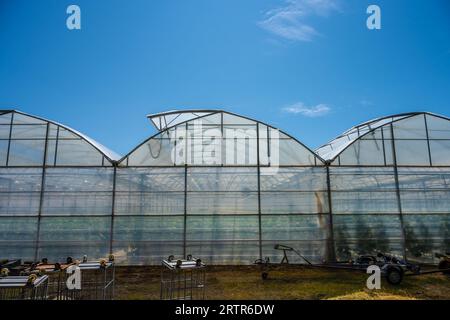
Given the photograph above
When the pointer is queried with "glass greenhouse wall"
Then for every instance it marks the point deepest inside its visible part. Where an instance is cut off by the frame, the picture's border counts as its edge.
(225, 188)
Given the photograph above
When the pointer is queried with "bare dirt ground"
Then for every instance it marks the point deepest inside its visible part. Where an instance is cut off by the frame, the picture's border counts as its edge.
(284, 282)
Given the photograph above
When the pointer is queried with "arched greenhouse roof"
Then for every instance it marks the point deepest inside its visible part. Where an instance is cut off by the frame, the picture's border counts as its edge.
(31, 130)
(230, 133)
(416, 138)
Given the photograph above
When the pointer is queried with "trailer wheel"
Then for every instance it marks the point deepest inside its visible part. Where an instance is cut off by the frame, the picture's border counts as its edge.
(394, 276)
(444, 265)
(264, 275)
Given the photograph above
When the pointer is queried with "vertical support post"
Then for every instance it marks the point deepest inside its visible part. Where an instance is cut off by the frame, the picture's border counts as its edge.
(41, 196)
(259, 192)
(397, 189)
(113, 210)
(331, 245)
(185, 212)
(186, 158)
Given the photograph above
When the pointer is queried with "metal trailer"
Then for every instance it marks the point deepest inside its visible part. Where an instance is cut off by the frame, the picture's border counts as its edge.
(183, 279)
(30, 287)
(392, 268)
(97, 282)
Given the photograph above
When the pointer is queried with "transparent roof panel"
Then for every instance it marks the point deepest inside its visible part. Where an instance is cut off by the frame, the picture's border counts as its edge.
(27, 127)
(169, 119)
(333, 148)
(218, 138)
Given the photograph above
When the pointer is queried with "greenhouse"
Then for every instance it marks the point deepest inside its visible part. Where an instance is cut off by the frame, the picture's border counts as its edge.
(225, 188)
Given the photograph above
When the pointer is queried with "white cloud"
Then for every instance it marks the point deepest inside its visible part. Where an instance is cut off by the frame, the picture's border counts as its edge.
(289, 22)
(308, 111)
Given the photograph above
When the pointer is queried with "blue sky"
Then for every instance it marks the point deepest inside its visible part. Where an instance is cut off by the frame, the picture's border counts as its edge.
(309, 67)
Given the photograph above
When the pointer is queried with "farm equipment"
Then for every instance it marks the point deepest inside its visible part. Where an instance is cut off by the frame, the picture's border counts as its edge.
(183, 279)
(392, 268)
(97, 278)
(30, 287)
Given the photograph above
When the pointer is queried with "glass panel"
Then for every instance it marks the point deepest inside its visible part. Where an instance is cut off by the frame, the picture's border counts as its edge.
(410, 128)
(139, 240)
(150, 179)
(440, 152)
(362, 179)
(412, 152)
(295, 227)
(169, 228)
(66, 134)
(155, 152)
(3, 152)
(4, 131)
(425, 202)
(373, 135)
(62, 237)
(388, 150)
(427, 235)
(232, 119)
(222, 202)
(77, 203)
(29, 132)
(18, 249)
(149, 203)
(145, 252)
(75, 229)
(51, 150)
(222, 179)
(5, 118)
(17, 229)
(293, 202)
(290, 152)
(52, 131)
(26, 152)
(19, 203)
(198, 130)
(363, 152)
(17, 238)
(205, 151)
(79, 179)
(222, 228)
(438, 128)
(24, 119)
(77, 152)
(240, 151)
(295, 179)
(424, 178)
(366, 234)
(19, 180)
(73, 191)
(364, 202)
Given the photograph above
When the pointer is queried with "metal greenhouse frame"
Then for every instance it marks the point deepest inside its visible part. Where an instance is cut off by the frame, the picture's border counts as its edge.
(381, 186)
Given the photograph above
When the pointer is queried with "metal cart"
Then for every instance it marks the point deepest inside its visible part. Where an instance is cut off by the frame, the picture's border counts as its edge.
(31, 287)
(183, 279)
(57, 275)
(97, 282)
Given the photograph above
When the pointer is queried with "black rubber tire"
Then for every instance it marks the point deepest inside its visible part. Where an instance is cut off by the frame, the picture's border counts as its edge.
(264, 275)
(444, 265)
(394, 276)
